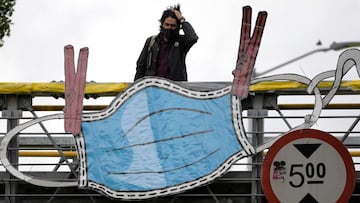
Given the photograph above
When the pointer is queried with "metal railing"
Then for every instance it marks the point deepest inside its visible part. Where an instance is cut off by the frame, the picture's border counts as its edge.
(46, 151)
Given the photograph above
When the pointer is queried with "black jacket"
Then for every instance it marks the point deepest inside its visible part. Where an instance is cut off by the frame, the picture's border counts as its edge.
(177, 55)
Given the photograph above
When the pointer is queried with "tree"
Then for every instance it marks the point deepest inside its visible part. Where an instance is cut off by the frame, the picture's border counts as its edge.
(6, 11)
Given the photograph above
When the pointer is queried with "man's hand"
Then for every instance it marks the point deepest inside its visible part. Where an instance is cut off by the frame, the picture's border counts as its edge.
(179, 15)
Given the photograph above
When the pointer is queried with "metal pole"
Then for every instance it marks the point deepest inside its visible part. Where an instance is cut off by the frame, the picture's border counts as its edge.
(12, 114)
(334, 46)
(256, 128)
(290, 61)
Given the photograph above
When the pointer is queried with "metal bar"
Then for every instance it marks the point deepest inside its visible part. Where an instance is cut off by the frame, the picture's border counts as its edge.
(257, 124)
(281, 106)
(61, 107)
(292, 60)
(68, 154)
(311, 106)
(53, 141)
(41, 164)
(112, 89)
(350, 129)
(12, 113)
(58, 189)
(277, 109)
(212, 194)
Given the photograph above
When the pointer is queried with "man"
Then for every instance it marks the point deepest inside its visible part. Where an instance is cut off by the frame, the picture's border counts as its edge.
(164, 54)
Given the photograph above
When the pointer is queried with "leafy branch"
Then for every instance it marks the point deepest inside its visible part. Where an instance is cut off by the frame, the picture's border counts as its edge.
(6, 11)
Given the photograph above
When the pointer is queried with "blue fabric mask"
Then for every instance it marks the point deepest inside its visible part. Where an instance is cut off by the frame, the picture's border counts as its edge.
(158, 138)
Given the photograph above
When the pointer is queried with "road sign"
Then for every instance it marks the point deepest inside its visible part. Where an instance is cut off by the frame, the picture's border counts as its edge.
(308, 166)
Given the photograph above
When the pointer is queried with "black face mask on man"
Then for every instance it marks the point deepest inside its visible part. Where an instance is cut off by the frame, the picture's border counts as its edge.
(169, 34)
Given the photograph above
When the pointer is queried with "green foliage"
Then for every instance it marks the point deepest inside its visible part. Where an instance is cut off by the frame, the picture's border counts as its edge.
(6, 11)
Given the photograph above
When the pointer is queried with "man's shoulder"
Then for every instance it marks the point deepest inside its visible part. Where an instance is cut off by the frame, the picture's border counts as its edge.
(151, 37)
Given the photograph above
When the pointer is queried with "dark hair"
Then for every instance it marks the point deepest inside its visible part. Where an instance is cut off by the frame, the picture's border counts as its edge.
(169, 13)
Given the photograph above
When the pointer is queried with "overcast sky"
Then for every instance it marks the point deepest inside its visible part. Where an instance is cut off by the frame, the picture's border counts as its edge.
(115, 32)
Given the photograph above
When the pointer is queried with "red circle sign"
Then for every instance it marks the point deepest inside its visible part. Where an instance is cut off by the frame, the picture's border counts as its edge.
(308, 166)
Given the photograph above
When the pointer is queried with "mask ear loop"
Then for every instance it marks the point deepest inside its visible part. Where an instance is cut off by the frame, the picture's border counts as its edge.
(15, 172)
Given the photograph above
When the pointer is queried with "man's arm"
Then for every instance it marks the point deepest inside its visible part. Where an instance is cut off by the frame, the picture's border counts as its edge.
(141, 62)
(190, 35)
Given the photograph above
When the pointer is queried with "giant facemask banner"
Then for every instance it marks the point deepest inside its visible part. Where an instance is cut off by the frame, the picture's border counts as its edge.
(160, 138)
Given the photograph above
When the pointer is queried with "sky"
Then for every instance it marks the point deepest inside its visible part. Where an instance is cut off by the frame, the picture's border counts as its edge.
(115, 32)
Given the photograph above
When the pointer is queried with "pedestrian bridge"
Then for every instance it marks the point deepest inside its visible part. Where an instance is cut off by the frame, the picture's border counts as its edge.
(271, 109)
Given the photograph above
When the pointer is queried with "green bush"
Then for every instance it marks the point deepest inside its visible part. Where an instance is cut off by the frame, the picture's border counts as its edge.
(6, 11)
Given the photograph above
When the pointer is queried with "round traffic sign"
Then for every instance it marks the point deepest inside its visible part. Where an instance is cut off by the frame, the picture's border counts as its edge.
(308, 166)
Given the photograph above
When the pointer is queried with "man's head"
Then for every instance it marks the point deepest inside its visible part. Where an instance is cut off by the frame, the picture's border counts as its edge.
(169, 14)
(170, 24)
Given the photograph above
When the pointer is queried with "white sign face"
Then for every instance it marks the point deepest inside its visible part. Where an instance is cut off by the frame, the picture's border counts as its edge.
(308, 166)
